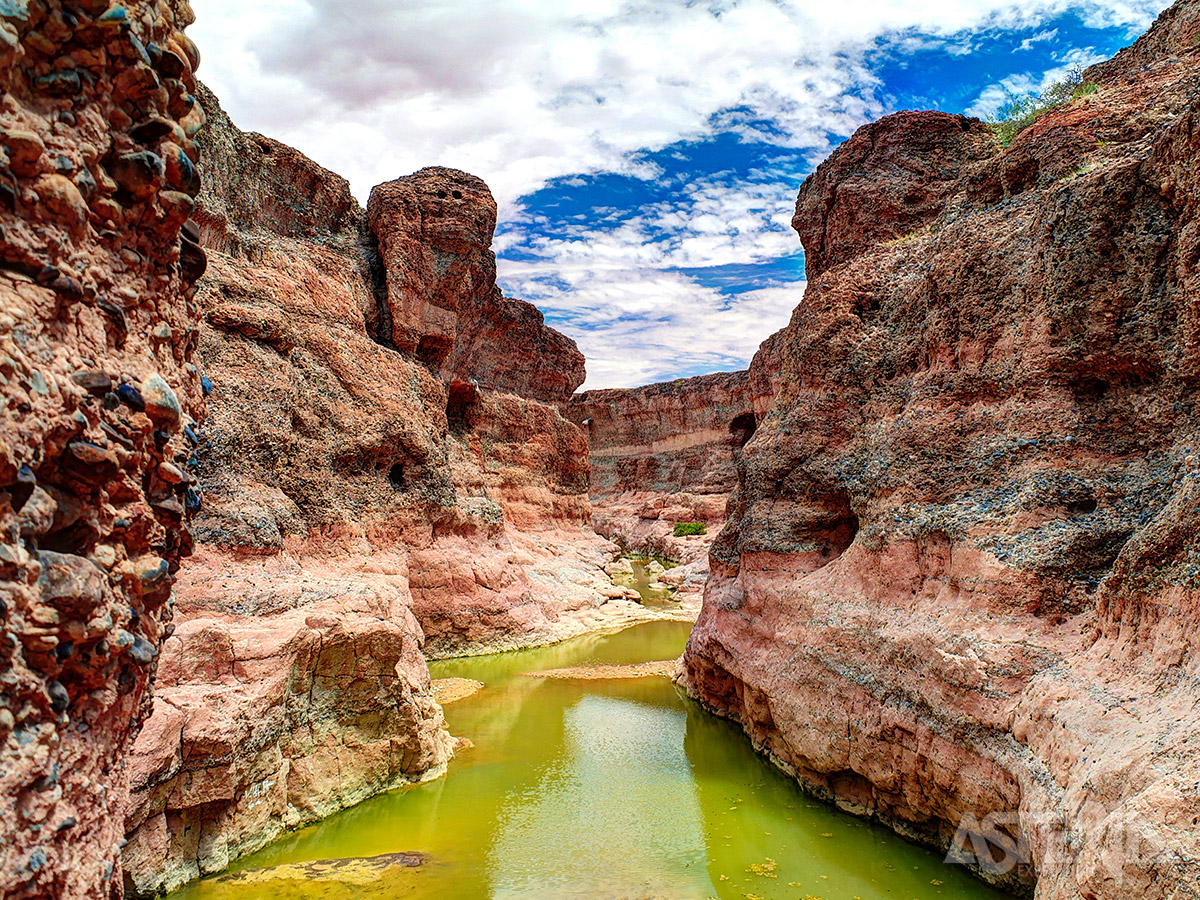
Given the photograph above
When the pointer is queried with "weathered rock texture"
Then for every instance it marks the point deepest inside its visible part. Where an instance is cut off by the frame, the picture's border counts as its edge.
(361, 502)
(434, 232)
(667, 453)
(960, 576)
(97, 335)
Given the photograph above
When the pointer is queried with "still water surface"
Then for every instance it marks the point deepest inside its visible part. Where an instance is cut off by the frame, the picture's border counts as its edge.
(598, 790)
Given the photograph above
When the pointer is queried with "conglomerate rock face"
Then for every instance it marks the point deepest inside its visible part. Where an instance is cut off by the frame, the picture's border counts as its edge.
(97, 338)
(959, 589)
(363, 507)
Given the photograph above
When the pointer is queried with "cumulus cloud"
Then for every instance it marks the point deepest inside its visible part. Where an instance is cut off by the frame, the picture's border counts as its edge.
(518, 91)
(526, 93)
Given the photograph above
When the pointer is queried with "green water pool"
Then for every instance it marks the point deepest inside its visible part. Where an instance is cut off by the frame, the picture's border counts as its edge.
(598, 790)
(641, 581)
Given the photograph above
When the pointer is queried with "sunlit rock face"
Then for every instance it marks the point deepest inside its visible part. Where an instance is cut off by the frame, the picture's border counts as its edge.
(960, 574)
(434, 232)
(361, 506)
(99, 390)
(666, 453)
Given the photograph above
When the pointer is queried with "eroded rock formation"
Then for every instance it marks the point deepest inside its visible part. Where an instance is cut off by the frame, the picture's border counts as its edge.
(97, 338)
(959, 584)
(666, 453)
(363, 504)
(434, 232)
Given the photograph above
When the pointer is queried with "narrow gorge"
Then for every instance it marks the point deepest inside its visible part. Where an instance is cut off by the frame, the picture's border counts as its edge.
(268, 458)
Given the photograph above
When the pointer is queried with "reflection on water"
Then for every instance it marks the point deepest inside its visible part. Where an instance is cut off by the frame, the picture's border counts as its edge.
(601, 789)
(653, 592)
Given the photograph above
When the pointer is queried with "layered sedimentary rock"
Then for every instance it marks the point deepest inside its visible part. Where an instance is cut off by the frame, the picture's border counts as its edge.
(97, 337)
(959, 590)
(364, 502)
(666, 453)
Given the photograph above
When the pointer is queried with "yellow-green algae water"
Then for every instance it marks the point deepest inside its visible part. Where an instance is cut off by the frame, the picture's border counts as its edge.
(594, 790)
(641, 580)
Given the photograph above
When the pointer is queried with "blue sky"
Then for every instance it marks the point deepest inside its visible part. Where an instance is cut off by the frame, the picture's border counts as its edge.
(645, 154)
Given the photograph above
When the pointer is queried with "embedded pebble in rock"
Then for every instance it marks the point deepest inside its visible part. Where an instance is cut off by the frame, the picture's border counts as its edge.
(99, 383)
(161, 404)
(169, 473)
(59, 84)
(131, 397)
(88, 269)
(25, 149)
(139, 173)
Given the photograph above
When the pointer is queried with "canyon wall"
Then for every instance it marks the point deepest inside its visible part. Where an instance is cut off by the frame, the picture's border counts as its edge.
(372, 488)
(97, 342)
(958, 590)
(667, 453)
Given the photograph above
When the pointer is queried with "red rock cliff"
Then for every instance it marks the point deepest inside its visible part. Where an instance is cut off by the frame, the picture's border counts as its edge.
(959, 585)
(434, 231)
(361, 506)
(97, 339)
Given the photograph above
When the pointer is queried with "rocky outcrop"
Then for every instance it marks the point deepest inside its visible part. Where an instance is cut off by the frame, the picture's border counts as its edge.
(363, 505)
(667, 453)
(958, 590)
(434, 232)
(668, 438)
(97, 338)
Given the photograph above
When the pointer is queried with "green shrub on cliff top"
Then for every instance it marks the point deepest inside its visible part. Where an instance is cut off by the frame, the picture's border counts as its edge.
(684, 529)
(1023, 110)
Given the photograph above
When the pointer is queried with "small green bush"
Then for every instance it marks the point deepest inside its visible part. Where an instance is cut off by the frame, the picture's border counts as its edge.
(683, 529)
(1022, 111)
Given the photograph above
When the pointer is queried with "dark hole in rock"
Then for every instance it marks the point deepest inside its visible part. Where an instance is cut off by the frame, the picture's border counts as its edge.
(742, 428)
(462, 406)
(1091, 389)
(396, 476)
(1086, 505)
(840, 535)
(830, 528)
(441, 195)
(433, 350)
(457, 195)
(78, 539)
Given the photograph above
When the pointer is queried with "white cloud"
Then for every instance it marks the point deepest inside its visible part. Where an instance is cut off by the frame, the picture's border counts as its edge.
(1038, 38)
(617, 289)
(518, 91)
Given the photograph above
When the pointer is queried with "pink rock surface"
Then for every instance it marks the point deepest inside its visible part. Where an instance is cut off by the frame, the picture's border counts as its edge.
(959, 585)
(97, 339)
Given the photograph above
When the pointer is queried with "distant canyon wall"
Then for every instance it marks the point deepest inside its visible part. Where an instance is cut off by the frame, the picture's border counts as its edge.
(958, 590)
(667, 453)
